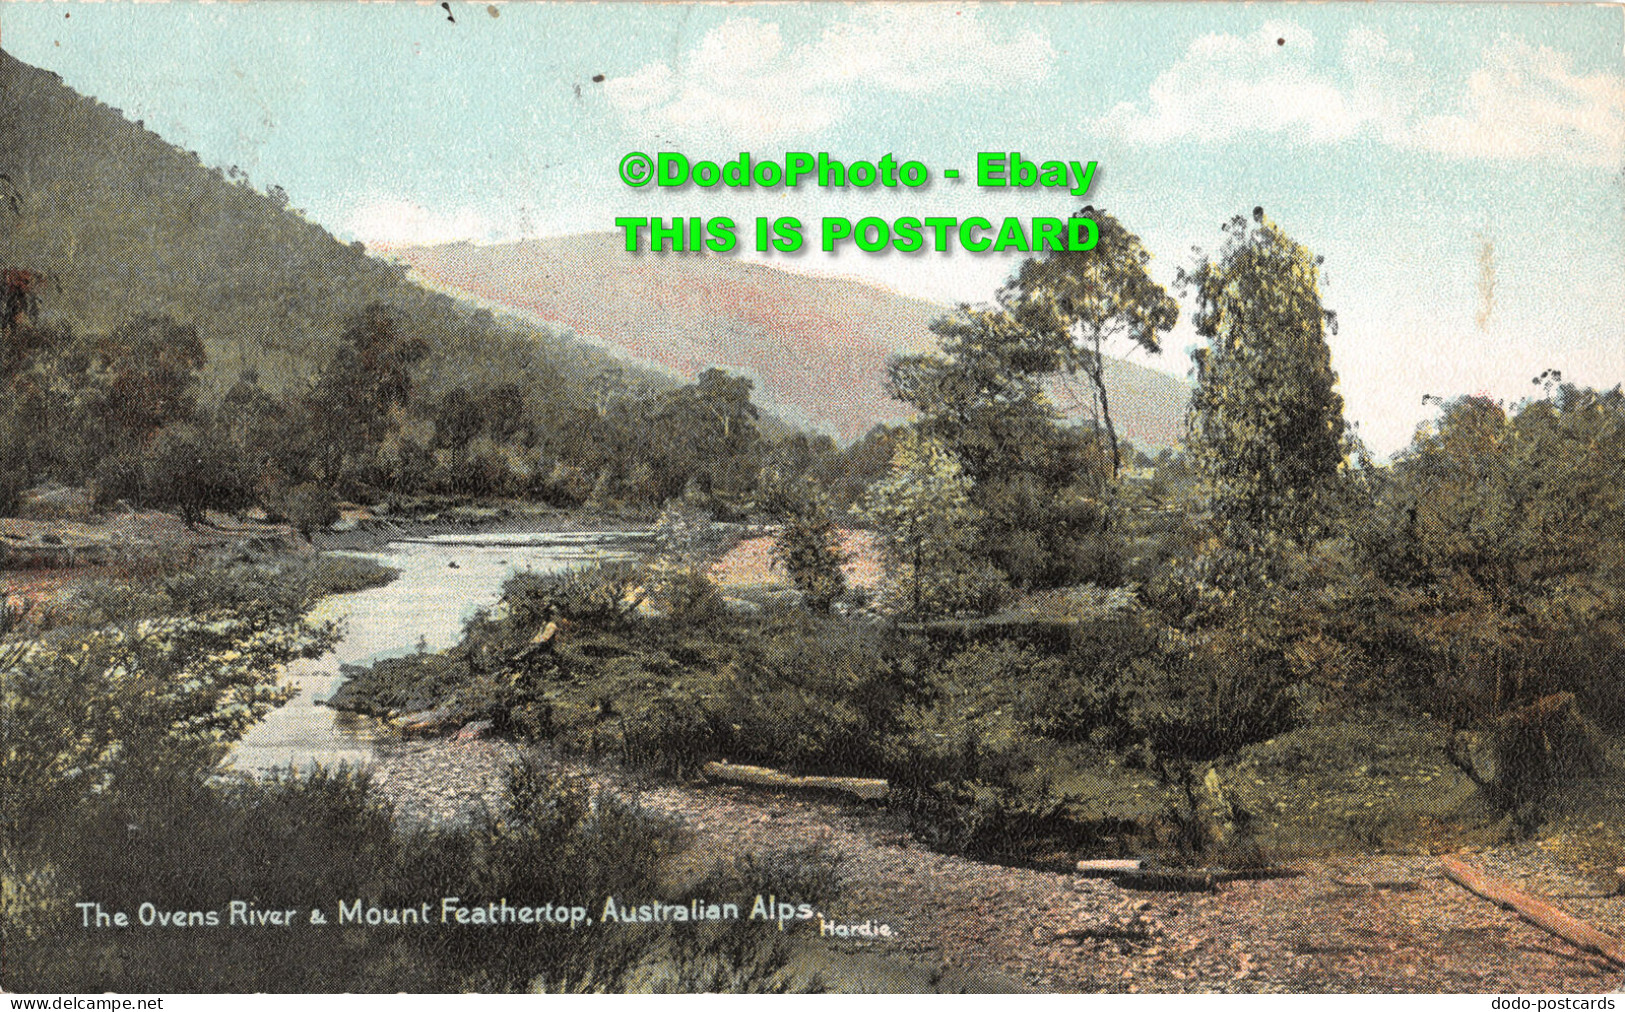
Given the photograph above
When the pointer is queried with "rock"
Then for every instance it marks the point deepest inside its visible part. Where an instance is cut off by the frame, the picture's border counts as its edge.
(547, 633)
(427, 721)
(472, 730)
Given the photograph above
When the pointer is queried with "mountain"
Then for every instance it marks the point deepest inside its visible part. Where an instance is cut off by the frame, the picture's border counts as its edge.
(816, 346)
(120, 222)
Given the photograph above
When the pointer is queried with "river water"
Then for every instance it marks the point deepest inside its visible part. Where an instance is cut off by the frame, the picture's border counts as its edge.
(443, 581)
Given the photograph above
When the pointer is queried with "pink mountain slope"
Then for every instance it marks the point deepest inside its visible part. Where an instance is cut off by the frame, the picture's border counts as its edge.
(815, 346)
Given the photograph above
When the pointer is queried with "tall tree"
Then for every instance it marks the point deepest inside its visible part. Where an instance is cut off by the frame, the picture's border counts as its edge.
(983, 395)
(145, 376)
(927, 525)
(1093, 299)
(1036, 485)
(1266, 427)
(369, 375)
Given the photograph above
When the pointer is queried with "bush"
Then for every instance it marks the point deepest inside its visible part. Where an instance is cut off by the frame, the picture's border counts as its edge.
(596, 597)
(1534, 752)
(820, 697)
(308, 508)
(808, 546)
(315, 839)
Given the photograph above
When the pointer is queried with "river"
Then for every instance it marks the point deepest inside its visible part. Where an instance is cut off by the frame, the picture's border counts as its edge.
(443, 581)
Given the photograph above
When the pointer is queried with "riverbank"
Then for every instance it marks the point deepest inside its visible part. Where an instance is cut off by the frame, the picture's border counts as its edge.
(1353, 923)
(43, 557)
(362, 530)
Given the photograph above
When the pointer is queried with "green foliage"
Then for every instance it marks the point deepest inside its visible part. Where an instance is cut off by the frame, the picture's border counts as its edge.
(140, 682)
(143, 376)
(324, 837)
(1092, 299)
(1499, 551)
(926, 525)
(1266, 422)
(1039, 490)
(820, 698)
(1494, 552)
(115, 722)
(808, 544)
(309, 507)
(181, 467)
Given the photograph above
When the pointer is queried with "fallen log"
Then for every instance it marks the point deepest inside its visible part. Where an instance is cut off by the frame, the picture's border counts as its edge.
(761, 776)
(1535, 910)
(1108, 867)
(1378, 885)
(1170, 880)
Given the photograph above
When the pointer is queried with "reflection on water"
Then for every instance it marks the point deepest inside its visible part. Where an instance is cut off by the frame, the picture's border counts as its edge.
(443, 581)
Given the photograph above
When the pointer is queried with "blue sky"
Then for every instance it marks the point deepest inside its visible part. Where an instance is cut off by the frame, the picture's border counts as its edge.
(1461, 167)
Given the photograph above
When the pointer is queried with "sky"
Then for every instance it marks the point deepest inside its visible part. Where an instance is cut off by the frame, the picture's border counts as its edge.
(1460, 167)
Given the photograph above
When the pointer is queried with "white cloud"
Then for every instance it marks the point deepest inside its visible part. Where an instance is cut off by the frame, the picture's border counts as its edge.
(742, 81)
(1522, 102)
(1525, 102)
(1228, 86)
(387, 223)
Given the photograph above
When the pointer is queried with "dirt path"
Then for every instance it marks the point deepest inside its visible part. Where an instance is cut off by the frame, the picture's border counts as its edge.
(1056, 932)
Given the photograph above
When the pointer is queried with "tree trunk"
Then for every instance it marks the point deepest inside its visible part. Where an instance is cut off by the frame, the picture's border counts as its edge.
(1095, 368)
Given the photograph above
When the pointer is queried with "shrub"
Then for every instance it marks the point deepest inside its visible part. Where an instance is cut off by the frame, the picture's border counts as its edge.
(303, 840)
(308, 508)
(808, 546)
(1533, 752)
(820, 697)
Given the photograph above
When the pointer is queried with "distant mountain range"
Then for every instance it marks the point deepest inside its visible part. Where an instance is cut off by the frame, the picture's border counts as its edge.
(121, 222)
(816, 346)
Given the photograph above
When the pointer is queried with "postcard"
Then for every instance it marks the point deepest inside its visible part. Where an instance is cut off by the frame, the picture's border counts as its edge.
(784, 497)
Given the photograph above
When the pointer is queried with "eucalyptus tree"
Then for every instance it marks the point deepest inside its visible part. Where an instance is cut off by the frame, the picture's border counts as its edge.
(1086, 301)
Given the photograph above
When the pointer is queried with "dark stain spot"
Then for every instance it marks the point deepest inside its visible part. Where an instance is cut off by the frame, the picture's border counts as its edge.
(1280, 42)
(491, 9)
(447, 8)
(598, 79)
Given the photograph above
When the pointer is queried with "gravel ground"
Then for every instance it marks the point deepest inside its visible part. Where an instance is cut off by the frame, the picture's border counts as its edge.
(1325, 929)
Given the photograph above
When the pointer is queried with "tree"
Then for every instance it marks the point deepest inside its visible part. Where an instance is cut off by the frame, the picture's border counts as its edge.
(983, 394)
(1266, 424)
(1495, 551)
(186, 469)
(309, 507)
(927, 527)
(1038, 488)
(144, 375)
(808, 543)
(368, 377)
(1094, 298)
(704, 432)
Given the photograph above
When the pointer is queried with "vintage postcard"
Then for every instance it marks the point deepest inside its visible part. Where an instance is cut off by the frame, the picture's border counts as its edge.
(538, 497)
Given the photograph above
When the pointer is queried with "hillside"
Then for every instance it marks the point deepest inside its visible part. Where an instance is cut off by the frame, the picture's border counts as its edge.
(816, 346)
(121, 223)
